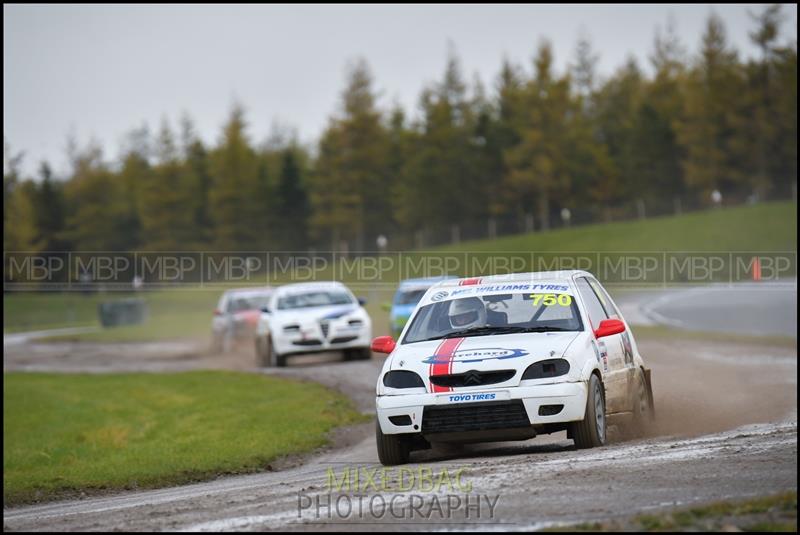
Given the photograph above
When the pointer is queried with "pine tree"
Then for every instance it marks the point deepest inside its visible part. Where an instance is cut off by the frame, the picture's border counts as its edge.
(351, 179)
(713, 129)
(232, 203)
(538, 164)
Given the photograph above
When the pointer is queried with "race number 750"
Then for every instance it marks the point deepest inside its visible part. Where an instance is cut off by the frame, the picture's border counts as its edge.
(547, 300)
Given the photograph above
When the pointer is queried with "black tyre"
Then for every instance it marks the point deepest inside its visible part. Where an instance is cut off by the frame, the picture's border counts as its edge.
(591, 431)
(642, 408)
(392, 449)
(265, 354)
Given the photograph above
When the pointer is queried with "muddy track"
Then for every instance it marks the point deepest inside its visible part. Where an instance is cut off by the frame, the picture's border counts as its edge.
(704, 447)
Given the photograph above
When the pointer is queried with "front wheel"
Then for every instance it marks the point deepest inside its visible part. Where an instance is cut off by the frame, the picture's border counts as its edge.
(392, 449)
(361, 353)
(266, 355)
(591, 431)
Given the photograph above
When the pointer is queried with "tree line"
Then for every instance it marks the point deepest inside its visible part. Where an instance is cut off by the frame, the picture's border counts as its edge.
(537, 142)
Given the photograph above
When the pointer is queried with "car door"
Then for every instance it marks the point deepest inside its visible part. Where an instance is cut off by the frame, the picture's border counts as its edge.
(625, 340)
(613, 365)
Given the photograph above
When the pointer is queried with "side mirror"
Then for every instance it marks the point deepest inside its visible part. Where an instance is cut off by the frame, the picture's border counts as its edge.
(609, 327)
(383, 344)
(265, 310)
(362, 301)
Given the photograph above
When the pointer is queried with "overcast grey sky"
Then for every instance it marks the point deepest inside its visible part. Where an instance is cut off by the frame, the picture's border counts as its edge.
(99, 71)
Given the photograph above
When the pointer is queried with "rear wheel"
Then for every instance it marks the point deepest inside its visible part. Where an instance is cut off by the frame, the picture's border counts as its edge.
(392, 449)
(591, 431)
(216, 343)
(642, 408)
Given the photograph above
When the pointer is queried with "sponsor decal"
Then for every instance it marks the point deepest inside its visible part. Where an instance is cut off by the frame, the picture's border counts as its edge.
(438, 296)
(337, 313)
(475, 355)
(498, 288)
(604, 355)
(627, 348)
(457, 398)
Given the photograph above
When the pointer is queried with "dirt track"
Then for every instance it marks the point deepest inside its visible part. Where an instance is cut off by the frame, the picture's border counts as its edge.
(705, 392)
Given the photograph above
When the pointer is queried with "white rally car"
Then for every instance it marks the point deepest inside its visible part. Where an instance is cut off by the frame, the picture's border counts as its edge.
(312, 317)
(506, 358)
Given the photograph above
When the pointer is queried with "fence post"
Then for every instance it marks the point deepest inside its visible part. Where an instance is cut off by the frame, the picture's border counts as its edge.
(492, 228)
(528, 223)
(676, 204)
(455, 234)
(640, 208)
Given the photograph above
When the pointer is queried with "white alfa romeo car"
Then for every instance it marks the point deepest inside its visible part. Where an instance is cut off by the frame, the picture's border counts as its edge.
(312, 317)
(507, 358)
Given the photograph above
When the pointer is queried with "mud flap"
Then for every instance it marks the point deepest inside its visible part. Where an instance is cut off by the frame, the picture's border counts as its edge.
(650, 393)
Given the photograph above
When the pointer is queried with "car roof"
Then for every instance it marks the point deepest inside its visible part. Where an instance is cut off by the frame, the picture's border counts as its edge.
(300, 287)
(423, 282)
(250, 291)
(556, 276)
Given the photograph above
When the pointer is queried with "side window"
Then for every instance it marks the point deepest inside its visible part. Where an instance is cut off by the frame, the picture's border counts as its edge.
(605, 300)
(593, 306)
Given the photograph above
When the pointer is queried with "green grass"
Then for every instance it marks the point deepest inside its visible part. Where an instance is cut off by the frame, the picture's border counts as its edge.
(769, 513)
(762, 227)
(186, 312)
(665, 332)
(70, 433)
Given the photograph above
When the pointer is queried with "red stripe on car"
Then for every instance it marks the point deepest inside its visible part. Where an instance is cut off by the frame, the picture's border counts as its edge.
(470, 282)
(446, 350)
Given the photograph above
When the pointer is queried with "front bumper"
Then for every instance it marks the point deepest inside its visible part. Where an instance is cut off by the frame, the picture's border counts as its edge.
(572, 396)
(287, 344)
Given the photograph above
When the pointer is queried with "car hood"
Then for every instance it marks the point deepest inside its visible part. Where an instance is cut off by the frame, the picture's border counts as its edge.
(314, 314)
(481, 353)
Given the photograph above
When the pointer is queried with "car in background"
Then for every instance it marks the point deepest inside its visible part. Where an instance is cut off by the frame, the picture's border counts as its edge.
(510, 357)
(405, 301)
(236, 316)
(309, 318)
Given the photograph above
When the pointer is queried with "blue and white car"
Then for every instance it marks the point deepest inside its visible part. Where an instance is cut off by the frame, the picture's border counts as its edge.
(405, 300)
(509, 357)
(309, 318)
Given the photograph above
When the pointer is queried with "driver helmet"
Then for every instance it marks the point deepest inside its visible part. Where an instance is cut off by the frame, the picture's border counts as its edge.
(468, 312)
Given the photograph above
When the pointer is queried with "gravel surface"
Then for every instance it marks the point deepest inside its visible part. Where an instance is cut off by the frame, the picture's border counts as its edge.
(726, 429)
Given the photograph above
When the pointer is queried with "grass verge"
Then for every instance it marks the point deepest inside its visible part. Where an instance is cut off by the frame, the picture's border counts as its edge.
(66, 434)
(776, 513)
(664, 332)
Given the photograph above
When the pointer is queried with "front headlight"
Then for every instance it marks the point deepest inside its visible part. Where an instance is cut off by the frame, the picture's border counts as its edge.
(403, 379)
(544, 369)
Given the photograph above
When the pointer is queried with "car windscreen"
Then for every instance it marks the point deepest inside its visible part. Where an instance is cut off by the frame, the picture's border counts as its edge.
(314, 299)
(409, 297)
(495, 314)
(239, 303)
